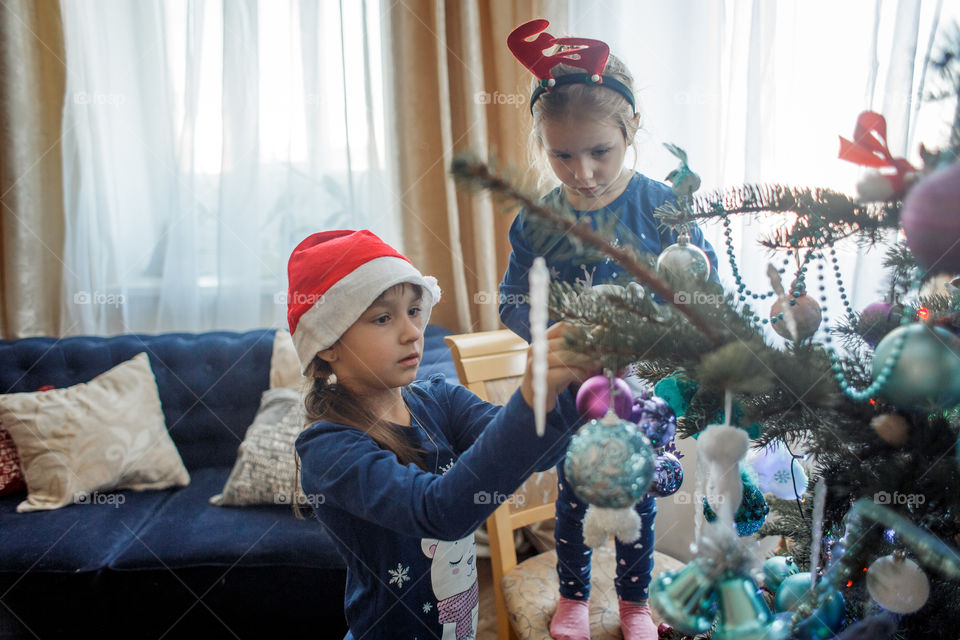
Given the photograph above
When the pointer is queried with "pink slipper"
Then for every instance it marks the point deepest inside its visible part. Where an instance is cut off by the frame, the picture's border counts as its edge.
(572, 620)
(635, 621)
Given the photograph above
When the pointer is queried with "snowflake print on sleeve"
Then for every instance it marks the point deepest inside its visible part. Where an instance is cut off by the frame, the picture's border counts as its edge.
(399, 575)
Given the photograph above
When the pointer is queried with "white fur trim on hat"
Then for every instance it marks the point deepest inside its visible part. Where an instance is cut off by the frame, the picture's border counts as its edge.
(337, 309)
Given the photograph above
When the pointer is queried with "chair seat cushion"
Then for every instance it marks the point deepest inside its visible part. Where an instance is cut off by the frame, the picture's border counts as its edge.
(531, 591)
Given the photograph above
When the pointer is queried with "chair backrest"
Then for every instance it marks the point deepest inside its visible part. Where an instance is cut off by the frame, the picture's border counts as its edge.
(491, 364)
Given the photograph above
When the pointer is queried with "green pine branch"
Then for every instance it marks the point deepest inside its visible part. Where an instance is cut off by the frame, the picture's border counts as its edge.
(823, 216)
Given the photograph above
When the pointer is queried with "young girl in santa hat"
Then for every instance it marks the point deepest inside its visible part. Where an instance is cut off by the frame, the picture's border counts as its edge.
(399, 471)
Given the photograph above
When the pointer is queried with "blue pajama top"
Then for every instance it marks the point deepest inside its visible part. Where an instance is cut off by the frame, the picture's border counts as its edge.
(405, 534)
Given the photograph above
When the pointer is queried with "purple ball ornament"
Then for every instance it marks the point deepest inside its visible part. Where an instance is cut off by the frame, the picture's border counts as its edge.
(667, 476)
(593, 398)
(656, 419)
(930, 219)
(877, 320)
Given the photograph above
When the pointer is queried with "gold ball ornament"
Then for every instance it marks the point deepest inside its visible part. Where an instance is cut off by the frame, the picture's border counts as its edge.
(806, 313)
(892, 429)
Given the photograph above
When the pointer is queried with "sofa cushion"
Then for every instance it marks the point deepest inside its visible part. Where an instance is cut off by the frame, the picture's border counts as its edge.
(265, 471)
(100, 435)
(209, 383)
(188, 531)
(436, 355)
(76, 538)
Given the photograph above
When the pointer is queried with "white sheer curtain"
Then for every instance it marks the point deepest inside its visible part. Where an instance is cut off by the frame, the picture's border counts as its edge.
(758, 91)
(203, 139)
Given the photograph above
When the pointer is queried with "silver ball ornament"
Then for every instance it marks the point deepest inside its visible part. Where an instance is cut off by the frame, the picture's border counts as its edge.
(897, 585)
(683, 264)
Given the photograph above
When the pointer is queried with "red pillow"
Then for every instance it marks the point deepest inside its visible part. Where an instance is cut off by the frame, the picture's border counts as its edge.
(11, 477)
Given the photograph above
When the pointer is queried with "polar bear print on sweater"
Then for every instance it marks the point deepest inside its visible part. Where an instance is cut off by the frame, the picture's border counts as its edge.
(453, 575)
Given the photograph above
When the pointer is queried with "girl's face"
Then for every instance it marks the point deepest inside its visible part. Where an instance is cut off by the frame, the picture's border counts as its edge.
(382, 349)
(587, 157)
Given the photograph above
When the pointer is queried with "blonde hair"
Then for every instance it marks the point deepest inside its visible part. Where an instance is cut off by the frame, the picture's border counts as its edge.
(581, 101)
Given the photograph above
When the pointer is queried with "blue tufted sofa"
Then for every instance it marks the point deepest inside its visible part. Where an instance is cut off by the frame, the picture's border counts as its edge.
(168, 563)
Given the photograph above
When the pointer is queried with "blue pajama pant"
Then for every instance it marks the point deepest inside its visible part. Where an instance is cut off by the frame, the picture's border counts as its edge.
(634, 559)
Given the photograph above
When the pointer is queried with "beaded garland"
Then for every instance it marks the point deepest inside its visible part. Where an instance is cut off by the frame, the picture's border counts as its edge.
(799, 289)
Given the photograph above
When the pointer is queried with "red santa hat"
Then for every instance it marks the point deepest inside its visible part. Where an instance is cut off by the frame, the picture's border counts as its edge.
(334, 276)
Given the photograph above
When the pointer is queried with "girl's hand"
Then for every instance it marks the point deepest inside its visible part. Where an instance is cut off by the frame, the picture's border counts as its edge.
(563, 367)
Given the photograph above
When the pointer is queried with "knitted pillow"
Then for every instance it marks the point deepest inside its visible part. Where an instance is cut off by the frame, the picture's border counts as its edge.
(265, 471)
(105, 434)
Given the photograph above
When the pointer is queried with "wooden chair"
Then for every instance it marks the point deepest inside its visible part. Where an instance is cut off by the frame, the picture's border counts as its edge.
(491, 364)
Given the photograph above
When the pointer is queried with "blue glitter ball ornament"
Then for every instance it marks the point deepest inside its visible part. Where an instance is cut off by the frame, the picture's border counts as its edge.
(667, 476)
(752, 512)
(656, 419)
(609, 463)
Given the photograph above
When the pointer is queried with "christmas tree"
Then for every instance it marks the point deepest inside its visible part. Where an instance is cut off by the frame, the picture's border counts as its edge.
(873, 403)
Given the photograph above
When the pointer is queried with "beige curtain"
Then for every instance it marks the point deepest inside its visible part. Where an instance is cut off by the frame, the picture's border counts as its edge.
(32, 78)
(457, 88)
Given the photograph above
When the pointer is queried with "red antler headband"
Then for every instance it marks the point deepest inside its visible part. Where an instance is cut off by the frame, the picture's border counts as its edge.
(590, 55)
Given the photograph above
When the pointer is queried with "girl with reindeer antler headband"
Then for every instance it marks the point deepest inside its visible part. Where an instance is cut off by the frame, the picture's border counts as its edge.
(584, 119)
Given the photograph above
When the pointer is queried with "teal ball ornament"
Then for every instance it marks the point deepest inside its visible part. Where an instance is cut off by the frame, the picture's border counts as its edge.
(752, 512)
(792, 590)
(610, 463)
(776, 569)
(919, 366)
(677, 390)
(825, 621)
(781, 628)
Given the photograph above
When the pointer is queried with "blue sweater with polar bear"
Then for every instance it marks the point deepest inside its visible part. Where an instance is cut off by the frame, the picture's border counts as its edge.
(405, 534)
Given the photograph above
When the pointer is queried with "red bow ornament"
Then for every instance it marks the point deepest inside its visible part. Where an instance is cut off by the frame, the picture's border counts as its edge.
(590, 55)
(869, 149)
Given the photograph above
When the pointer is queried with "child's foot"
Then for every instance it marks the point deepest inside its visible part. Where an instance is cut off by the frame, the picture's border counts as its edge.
(635, 621)
(571, 621)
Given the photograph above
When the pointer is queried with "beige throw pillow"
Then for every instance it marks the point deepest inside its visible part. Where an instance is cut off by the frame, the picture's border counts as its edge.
(284, 363)
(265, 470)
(101, 435)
